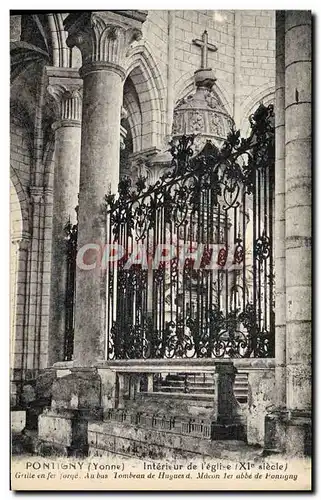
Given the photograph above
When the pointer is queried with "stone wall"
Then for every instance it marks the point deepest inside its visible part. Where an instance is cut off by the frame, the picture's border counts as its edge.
(257, 59)
(31, 209)
(190, 25)
(244, 62)
(20, 158)
(20, 167)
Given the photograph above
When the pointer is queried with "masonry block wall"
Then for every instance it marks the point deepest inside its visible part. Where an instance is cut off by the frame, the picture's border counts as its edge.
(155, 32)
(244, 62)
(220, 28)
(20, 169)
(20, 149)
(31, 221)
(257, 59)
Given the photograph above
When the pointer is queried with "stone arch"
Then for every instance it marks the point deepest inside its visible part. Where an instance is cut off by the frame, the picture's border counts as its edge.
(21, 158)
(16, 218)
(60, 51)
(20, 116)
(147, 80)
(185, 86)
(264, 95)
(22, 198)
(132, 106)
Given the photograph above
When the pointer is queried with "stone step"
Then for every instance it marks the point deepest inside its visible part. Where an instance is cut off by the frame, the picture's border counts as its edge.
(203, 377)
(179, 383)
(200, 383)
(241, 387)
(197, 396)
(242, 383)
(199, 389)
(173, 403)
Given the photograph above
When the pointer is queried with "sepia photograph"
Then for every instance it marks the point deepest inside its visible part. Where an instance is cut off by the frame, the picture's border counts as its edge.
(160, 250)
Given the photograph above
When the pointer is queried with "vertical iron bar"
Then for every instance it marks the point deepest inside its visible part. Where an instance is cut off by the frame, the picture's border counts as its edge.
(259, 261)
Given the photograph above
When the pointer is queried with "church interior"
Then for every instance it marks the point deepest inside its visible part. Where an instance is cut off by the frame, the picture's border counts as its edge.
(181, 137)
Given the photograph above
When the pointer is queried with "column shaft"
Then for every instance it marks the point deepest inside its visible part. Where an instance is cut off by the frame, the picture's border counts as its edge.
(103, 39)
(66, 182)
(66, 91)
(298, 221)
(279, 240)
(99, 174)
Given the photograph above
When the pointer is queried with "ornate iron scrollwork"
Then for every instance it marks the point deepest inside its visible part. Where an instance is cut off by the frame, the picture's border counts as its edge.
(219, 201)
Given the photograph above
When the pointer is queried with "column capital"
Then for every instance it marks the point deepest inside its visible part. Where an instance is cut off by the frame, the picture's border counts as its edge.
(68, 104)
(103, 38)
(22, 240)
(36, 194)
(65, 91)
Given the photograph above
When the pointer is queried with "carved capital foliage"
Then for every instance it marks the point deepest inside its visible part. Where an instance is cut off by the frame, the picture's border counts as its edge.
(68, 100)
(103, 37)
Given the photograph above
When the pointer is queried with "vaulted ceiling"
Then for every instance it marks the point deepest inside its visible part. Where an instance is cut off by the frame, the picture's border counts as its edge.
(30, 51)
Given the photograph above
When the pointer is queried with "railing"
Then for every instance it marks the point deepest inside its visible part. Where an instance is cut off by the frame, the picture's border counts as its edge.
(191, 302)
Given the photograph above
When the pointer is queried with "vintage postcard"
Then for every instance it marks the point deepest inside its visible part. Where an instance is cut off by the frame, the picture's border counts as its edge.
(160, 199)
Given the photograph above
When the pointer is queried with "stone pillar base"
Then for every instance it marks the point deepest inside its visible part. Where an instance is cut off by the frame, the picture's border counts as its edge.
(298, 434)
(275, 432)
(228, 409)
(288, 433)
(63, 433)
(17, 420)
(76, 398)
(261, 395)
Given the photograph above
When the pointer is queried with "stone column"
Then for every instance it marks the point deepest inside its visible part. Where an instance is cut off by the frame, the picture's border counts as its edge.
(32, 335)
(18, 312)
(103, 39)
(275, 429)
(65, 89)
(279, 240)
(298, 171)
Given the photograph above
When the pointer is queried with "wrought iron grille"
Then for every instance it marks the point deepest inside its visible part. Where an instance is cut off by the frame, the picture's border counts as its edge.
(71, 232)
(215, 209)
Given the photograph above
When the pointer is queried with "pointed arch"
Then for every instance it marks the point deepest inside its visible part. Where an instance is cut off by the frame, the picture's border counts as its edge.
(144, 73)
(185, 86)
(265, 95)
(60, 51)
(132, 106)
(16, 220)
(23, 199)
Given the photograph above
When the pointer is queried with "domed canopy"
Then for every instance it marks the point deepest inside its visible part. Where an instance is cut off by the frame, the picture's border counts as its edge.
(202, 114)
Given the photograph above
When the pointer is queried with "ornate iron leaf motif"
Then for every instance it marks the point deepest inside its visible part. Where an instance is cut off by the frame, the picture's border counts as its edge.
(262, 247)
(222, 197)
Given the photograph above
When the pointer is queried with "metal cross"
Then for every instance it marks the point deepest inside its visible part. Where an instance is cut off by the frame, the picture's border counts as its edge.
(205, 46)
